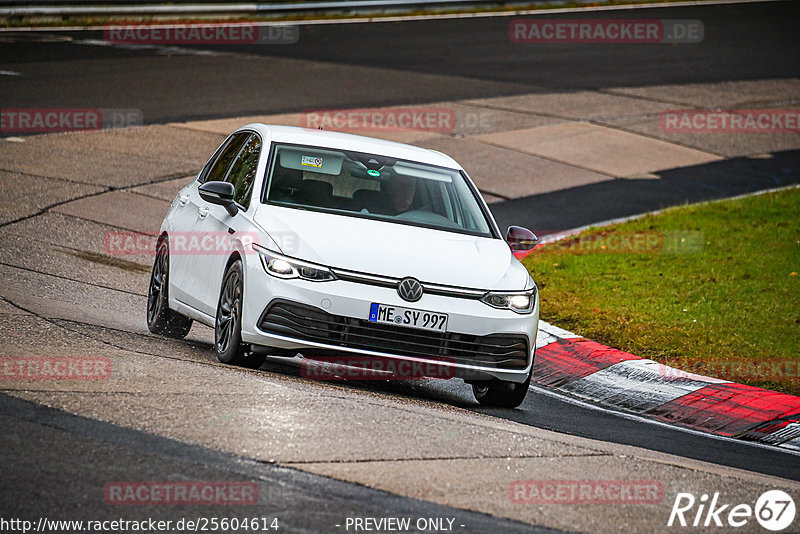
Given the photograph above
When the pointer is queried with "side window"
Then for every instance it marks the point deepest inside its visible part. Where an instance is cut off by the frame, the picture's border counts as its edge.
(217, 168)
(243, 172)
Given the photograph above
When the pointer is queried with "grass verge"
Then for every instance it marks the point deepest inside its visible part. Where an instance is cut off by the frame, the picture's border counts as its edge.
(711, 289)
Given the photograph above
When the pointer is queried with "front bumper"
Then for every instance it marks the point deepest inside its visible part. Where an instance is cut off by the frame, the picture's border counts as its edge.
(323, 317)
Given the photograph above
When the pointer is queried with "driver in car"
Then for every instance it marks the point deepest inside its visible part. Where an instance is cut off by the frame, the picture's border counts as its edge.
(400, 192)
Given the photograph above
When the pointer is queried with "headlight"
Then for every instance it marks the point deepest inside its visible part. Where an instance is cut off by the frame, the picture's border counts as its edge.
(517, 301)
(281, 266)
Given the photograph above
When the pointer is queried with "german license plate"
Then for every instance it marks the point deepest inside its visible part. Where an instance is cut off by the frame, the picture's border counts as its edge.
(424, 320)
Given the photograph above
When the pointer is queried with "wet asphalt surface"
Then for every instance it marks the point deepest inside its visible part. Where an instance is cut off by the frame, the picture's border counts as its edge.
(448, 60)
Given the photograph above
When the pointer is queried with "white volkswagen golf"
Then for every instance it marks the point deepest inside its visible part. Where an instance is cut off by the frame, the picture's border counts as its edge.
(337, 243)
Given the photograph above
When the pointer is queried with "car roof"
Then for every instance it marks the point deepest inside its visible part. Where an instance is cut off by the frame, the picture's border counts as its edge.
(356, 143)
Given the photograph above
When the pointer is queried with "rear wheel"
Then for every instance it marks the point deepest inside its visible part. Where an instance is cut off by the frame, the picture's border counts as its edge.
(499, 393)
(228, 344)
(161, 319)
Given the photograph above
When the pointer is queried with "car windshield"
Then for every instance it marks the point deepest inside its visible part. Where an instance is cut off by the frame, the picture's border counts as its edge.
(375, 187)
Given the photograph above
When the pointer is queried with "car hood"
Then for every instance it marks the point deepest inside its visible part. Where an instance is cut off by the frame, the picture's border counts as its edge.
(391, 249)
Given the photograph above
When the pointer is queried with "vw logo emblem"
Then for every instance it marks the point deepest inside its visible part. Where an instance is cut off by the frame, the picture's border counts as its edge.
(409, 289)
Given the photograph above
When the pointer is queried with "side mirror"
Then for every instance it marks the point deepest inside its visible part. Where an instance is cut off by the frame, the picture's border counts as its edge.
(520, 239)
(221, 194)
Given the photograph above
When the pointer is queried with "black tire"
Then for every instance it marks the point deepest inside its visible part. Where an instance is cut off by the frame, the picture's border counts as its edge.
(161, 319)
(500, 394)
(228, 344)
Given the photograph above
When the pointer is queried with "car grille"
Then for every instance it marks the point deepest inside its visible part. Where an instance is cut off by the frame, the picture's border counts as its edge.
(298, 321)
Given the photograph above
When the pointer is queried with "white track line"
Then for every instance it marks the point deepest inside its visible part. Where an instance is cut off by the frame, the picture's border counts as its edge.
(558, 236)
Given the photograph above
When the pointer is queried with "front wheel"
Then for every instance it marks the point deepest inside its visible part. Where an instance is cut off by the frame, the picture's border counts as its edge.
(160, 318)
(499, 393)
(228, 344)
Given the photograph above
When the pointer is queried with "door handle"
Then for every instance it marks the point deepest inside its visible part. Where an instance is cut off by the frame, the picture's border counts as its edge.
(183, 200)
(202, 212)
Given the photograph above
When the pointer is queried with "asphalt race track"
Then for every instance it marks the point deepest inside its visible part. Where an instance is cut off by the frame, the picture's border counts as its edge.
(53, 461)
(356, 65)
(307, 502)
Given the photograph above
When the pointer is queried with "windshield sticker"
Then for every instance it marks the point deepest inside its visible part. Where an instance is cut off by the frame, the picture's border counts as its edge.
(311, 161)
